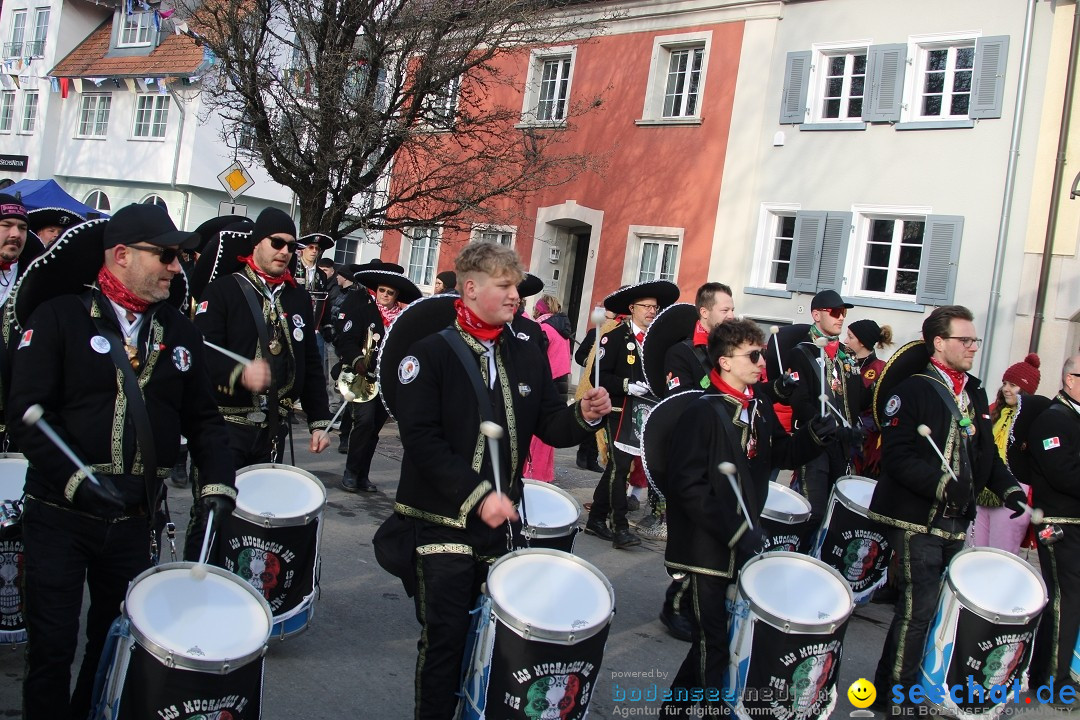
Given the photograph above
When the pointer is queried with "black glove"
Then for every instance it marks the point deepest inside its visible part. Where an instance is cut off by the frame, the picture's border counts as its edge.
(824, 429)
(853, 437)
(784, 386)
(98, 500)
(957, 493)
(1015, 501)
(751, 542)
(222, 505)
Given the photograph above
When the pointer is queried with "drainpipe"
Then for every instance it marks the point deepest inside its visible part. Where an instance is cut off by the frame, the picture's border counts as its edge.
(1055, 193)
(1010, 187)
(176, 157)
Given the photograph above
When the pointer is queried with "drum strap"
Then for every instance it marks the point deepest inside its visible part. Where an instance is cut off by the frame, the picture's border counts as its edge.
(734, 438)
(954, 410)
(255, 305)
(703, 358)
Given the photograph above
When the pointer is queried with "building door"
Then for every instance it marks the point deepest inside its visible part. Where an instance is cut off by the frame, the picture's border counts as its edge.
(579, 256)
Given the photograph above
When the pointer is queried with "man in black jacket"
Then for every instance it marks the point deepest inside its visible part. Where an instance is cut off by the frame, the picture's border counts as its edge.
(447, 487)
(686, 364)
(927, 505)
(75, 531)
(1054, 446)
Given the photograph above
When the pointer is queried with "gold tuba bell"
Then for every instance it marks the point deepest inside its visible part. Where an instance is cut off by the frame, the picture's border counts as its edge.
(363, 386)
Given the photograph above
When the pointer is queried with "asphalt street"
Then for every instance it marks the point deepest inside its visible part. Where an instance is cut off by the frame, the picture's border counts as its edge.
(357, 658)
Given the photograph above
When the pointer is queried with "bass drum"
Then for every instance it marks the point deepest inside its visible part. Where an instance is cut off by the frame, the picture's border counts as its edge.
(12, 606)
(850, 541)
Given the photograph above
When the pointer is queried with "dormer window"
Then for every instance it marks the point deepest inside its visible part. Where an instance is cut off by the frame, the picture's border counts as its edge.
(136, 29)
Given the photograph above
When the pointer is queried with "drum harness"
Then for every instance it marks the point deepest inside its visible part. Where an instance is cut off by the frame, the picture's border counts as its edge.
(264, 345)
(734, 440)
(963, 424)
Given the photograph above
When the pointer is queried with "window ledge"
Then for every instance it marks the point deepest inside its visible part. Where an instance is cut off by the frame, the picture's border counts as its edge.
(833, 126)
(888, 304)
(768, 292)
(146, 139)
(659, 122)
(90, 137)
(935, 125)
(540, 125)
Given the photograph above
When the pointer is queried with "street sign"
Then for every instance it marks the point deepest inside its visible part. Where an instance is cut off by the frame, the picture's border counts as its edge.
(235, 180)
(228, 208)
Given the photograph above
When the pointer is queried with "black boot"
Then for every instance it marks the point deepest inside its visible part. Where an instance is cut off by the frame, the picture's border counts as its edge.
(179, 475)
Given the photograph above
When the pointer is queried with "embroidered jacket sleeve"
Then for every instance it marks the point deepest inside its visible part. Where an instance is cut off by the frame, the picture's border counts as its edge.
(214, 319)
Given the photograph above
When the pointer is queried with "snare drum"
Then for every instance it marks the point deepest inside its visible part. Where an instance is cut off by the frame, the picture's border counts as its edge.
(987, 614)
(850, 541)
(551, 516)
(538, 638)
(786, 634)
(631, 422)
(272, 540)
(184, 646)
(12, 478)
(785, 521)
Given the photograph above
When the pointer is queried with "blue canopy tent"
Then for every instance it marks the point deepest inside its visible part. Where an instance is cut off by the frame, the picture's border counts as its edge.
(38, 194)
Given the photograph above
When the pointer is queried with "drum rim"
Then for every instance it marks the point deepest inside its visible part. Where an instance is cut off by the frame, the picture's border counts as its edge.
(285, 520)
(551, 531)
(787, 518)
(993, 617)
(559, 637)
(849, 502)
(166, 656)
(786, 625)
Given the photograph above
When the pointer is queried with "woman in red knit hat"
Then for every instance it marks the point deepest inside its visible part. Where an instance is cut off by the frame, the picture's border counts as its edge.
(1013, 410)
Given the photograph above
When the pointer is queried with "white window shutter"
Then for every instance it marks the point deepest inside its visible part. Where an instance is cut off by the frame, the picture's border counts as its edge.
(796, 85)
(806, 251)
(833, 256)
(988, 77)
(885, 82)
(940, 255)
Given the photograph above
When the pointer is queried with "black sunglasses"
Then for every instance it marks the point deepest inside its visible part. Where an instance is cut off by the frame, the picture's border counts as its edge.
(278, 243)
(754, 355)
(165, 255)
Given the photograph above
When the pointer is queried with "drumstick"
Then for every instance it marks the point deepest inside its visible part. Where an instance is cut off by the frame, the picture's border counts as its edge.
(198, 571)
(598, 317)
(349, 396)
(825, 399)
(228, 353)
(821, 343)
(729, 470)
(775, 330)
(924, 430)
(1035, 514)
(34, 416)
(492, 431)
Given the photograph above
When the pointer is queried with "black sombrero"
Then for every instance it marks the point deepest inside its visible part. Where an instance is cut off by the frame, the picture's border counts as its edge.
(530, 285)
(665, 292)
(424, 317)
(656, 433)
(349, 271)
(68, 266)
(672, 325)
(220, 257)
(905, 362)
(53, 216)
(788, 336)
(210, 229)
(372, 279)
(324, 241)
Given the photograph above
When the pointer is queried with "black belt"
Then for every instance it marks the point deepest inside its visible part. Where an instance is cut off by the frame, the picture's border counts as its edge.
(130, 512)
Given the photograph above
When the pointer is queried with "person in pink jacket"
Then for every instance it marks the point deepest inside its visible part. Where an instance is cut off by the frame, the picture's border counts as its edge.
(548, 312)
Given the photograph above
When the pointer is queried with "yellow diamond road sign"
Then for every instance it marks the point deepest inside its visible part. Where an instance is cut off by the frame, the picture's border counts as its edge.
(235, 180)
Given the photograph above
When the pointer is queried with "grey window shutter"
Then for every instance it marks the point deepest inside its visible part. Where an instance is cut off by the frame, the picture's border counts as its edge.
(833, 256)
(885, 65)
(796, 84)
(809, 231)
(988, 77)
(941, 252)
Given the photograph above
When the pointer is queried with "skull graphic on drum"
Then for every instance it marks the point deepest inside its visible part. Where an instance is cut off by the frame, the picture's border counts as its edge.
(807, 682)
(552, 697)
(1002, 663)
(260, 568)
(11, 570)
(859, 558)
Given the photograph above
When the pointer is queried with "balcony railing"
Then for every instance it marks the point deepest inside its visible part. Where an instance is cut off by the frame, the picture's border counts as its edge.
(27, 48)
(13, 49)
(35, 48)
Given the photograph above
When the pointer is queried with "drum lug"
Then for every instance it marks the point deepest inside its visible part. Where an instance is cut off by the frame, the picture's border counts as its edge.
(169, 661)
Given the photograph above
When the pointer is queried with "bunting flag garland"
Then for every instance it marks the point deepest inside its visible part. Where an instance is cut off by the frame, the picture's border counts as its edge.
(64, 84)
(77, 82)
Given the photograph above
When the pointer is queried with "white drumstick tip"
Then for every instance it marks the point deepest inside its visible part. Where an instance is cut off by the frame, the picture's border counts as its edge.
(598, 315)
(727, 468)
(491, 430)
(774, 329)
(1036, 516)
(33, 414)
(349, 395)
(198, 571)
(924, 430)
(823, 397)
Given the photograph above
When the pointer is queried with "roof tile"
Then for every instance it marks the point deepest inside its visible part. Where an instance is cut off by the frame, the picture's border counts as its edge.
(177, 55)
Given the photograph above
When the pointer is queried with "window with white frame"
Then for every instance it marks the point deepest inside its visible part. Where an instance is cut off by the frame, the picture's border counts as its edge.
(676, 78)
(136, 29)
(943, 80)
(345, 250)
(41, 30)
(547, 92)
(683, 90)
(14, 47)
(157, 200)
(151, 116)
(659, 257)
(781, 239)
(502, 234)
(442, 105)
(423, 250)
(842, 84)
(94, 115)
(7, 110)
(891, 256)
(98, 200)
(30, 111)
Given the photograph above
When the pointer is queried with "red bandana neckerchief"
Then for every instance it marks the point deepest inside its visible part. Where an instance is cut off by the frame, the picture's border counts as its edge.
(388, 313)
(472, 324)
(270, 280)
(718, 383)
(5, 265)
(114, 290)
(957, 377)
(701, 335)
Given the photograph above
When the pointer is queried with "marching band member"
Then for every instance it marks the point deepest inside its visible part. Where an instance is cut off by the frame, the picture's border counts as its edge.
(75, 531)
(462, 521)
(50, 222)
(311, 278)
(864, 338)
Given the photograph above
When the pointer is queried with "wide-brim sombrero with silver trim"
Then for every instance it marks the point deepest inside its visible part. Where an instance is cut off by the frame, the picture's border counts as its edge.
(905, 362)
(788, 336)
(220, 257)
(664, 291)
(674, 324)
(212, 227)
(68, 267)
(53, 216)
(656, 435)
(372, 279)
(421, 318)
(349, 271)
(324, 241)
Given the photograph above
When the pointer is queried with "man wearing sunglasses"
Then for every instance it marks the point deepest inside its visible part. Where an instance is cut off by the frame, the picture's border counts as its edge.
(843, 388)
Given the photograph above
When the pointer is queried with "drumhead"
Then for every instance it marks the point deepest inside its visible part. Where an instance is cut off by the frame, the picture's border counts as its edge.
(550, 595)
(551, 511)
(12, 475)
(274, 494)
(785, 505)
(997, 585)
(794, 592)
(197, 624)
(855, 492)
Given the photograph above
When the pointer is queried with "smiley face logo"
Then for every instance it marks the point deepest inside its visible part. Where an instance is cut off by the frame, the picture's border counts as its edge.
(862, 693)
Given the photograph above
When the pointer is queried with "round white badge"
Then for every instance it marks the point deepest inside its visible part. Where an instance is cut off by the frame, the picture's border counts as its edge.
(348, 326)
(892, 406)
(298, 334)
(600, 355)
(181, 358)
(298, 321)
(408, 369)
(100, 344)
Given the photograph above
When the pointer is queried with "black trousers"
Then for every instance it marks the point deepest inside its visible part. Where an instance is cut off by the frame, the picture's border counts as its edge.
(707, 661)
(818, 477)
(367, 420)
(64, 550)
(922, 559)
(609, 498)
(1060, 622)
(676, 601)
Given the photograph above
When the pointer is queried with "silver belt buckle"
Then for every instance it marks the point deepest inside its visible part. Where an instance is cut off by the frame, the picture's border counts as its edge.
(257, 417)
